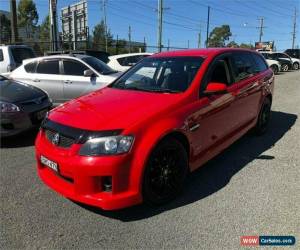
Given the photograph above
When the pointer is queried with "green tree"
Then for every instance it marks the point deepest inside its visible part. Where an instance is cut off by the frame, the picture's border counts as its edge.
(44, 34)
(27, 17)
(232, 44)
(5, 30)
(219, 36)
(246, 46)
(99, 37)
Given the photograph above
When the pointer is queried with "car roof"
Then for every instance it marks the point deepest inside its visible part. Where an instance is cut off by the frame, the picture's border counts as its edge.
(65, 56)
(129, 54)
(199, 52)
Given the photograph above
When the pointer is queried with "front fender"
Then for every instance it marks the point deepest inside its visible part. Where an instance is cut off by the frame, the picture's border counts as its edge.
(146, 141)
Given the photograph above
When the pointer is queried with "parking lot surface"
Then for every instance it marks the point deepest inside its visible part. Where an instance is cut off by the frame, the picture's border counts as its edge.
(252, 188)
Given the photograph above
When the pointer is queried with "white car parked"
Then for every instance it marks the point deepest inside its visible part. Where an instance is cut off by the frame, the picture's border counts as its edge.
(123, 62)
(65, 77)
(274, 65)
(12, 56)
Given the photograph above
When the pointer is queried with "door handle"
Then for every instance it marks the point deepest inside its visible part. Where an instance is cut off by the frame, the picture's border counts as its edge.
(36, 80)
(195, 127)
(68, 82)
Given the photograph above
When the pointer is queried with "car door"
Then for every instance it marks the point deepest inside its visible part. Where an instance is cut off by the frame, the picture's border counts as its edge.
(248, 79)
(214, 116)
(74, 82)
(47, 77)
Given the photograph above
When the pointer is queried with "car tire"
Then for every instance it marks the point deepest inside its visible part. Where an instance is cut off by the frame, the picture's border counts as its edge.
(296, 66)
(165, 172)
(284, 67)
(263, 117)
(275, 69)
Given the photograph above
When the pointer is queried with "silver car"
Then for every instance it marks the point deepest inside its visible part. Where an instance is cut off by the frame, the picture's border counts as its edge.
(65, 77)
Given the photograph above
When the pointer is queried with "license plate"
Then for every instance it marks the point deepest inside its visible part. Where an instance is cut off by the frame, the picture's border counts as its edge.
(51, 164)
(41, 114)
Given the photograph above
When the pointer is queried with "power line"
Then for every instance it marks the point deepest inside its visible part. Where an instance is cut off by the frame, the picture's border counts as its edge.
(147, 17)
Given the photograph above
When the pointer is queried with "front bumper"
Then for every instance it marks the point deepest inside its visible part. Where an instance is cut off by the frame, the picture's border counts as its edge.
(81, 178)
(17, 122)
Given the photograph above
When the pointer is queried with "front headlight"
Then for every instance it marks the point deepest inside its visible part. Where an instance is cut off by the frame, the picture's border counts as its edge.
(7, 107)
(110, 145)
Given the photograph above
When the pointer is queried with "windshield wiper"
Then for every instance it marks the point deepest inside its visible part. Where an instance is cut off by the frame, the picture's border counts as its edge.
(152, 90)
(136, 88)
(165, 90)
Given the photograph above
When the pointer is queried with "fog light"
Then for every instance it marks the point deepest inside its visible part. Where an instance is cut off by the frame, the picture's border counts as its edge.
(107, 184)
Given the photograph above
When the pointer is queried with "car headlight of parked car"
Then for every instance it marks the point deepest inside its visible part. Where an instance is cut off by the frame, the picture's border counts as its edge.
(7, 107)
(110, 145)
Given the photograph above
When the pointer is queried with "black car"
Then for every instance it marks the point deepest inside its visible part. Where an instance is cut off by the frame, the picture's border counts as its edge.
(284, 59)
(22, 106)
(295, 53)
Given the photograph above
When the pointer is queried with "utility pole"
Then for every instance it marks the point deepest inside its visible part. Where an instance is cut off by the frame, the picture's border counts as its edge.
(144, 44)
(168, 44)
(160, 22)
(207, 25)
(13, 21)
(53, 25)
(199, 38)
(129, 38)
(261, 27)
(294, 29)
(188, 44)
(117, 45)
(105, 24)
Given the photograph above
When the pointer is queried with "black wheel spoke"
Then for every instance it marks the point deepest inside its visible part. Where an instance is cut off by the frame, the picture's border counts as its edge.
(166, 172)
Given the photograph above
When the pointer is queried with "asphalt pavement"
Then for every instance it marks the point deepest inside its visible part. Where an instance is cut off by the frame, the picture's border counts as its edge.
(252, 188)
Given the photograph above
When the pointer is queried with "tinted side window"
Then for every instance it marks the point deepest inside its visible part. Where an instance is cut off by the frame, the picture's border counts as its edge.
(48, 67)
(243, 66)
(74, 68)
(1, 55)
(20, 54)
(260, 63)
(129, 61)
(282, 55)
(220, 72)
(30, 67)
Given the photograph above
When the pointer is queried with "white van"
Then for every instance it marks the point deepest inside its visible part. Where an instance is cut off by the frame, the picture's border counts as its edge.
(12, 56)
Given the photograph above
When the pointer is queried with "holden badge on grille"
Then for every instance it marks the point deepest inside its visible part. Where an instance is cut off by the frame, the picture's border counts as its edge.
(55, 139)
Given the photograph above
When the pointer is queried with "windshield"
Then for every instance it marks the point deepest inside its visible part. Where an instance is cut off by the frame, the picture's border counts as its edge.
(98, 65)
(164, 74)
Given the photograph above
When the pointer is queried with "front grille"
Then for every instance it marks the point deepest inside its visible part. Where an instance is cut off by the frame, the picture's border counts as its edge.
(64, 142)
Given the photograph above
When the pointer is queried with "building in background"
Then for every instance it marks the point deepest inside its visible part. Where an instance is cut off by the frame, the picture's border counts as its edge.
(75, 30)
(268, 46)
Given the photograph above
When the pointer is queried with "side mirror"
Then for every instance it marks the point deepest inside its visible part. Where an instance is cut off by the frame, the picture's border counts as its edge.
(88, 73)
(215, 88)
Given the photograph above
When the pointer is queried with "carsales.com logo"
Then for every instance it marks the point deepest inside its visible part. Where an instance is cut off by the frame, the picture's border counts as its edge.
(268, 240)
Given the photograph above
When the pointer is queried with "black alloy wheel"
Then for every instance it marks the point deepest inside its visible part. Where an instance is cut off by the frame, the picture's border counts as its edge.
(274, 69)
(296, 66)
(165, 172)
(263, 117)
(284, 67)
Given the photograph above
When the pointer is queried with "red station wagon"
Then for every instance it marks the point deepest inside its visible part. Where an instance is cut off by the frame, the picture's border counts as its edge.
(137, 139)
